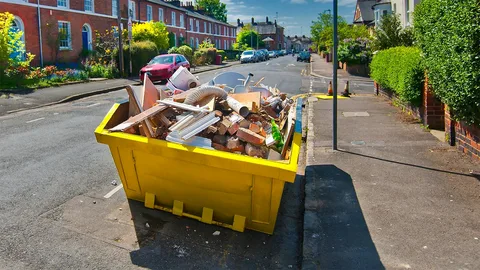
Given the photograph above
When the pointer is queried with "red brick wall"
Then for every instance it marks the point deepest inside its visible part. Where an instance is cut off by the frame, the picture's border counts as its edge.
(466, 137)
(433, 109)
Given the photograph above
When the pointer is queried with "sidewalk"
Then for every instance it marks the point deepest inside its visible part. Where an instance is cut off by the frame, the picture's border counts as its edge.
(392, 197)
(320, 68)
(49, 96)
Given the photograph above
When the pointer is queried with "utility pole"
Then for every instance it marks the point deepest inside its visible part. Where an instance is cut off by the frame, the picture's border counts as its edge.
(120, 40)
(335, 66)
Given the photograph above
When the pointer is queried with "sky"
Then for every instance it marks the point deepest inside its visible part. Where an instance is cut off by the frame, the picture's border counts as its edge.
(295, 15)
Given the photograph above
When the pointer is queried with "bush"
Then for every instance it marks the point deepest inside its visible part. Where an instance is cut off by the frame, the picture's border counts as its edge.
(142, 53)
(448, 32)
(355, 51)
(400, 69)
(391, 34)
(200, 57)
(173, 50)
(155, 32)
(211, 54)
(186, 51)
(222, 53)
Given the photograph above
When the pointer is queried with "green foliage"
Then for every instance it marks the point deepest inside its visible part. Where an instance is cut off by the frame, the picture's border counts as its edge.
(13, 66)
(155, 32)
(186, 51)
(142, 53)
(391, 34)
(400, 69)
(241, 47)
(171, 40)
(214, 8)
(448, 33)
(247, 37)
(206, 44)
(322, 31)
(355, 51)
(222, 53)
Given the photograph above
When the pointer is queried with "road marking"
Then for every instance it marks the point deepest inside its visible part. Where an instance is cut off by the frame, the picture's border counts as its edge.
(91, 105)
(268, 63)
(35, 120)
(113, 191)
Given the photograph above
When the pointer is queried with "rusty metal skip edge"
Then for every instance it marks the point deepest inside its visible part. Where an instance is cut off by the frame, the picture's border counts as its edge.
(211, 186)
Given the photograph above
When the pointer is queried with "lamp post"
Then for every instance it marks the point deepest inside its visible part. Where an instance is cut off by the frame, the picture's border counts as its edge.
(335, 66)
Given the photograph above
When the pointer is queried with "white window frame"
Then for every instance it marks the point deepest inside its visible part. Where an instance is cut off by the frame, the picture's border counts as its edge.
(69, 37)
(149, 13)
(160, 15)
(182, 21)
(67, 3)
(209, 28)
(224, 44)
(133, 7)
(192, 42)
(92, 6)
(190, 24)
(174, 19)
(407, 12)
(197, 24)
(115, 8)
(204, 27)
(174, 39)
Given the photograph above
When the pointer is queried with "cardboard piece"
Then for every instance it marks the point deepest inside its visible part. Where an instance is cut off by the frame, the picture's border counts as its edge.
(252, 100)
(150, 94)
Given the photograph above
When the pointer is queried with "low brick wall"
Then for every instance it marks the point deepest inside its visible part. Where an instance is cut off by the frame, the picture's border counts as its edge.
(465, 137)
(406, 107)
(431, 111)
(357, 70)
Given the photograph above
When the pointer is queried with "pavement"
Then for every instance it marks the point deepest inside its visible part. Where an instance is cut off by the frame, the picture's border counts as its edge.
(59, 208)
(30, 99)
(392, 197)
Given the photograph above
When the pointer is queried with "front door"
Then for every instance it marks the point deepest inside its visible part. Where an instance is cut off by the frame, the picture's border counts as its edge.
(85, 40)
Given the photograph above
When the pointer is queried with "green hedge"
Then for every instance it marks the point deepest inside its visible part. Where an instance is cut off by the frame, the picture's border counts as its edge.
(400, 70)
(142, 53)
(448, 33)
(184, 50)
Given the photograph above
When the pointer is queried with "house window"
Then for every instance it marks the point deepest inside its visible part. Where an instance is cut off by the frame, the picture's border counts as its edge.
(174, 19)
(198, 26)
(132, 10)
(62, 3)
(182, 22)
(149, 13)
(191, 43)
(174, 39)
(210, 28)
(407, 12)
(65, 35)
(224, 44)
(160, 14)
(196, 43)
(204, 27)
(115, 8)
(190, 24)
(394, 8)
(88, 5)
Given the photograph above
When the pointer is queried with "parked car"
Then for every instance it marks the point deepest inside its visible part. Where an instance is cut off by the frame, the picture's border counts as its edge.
(303, 57)
(272, 54)
(260, 56)
(248, 57)
(162, 67)
(265, 54)
(284, 52)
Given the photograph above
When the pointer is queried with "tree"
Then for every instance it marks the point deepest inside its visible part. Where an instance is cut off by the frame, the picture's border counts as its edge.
(322, 30)
(390, 34)
(151, 31)
(247, 37)
(12, 48)
(214, 8)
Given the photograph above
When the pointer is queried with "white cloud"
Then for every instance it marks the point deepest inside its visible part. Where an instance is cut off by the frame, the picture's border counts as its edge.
(343, 3)
(298, 1)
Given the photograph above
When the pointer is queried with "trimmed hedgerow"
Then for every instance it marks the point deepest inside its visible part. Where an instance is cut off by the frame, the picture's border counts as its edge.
(448, 33)
(400, 70)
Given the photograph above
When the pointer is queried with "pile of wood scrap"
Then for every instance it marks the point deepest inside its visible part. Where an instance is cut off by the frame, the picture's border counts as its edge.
(253, 123)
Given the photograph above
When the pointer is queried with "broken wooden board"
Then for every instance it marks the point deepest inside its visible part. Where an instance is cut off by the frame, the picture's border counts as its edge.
(137, 119)
(150, 94)
(180, 97)
(252, 100)
(290, 130)
(208, 101)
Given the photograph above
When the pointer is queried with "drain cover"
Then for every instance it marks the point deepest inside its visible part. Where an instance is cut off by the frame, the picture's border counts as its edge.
(358, 142)
(355, 114)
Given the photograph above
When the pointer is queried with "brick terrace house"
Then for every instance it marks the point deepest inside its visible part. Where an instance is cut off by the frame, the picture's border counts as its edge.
(268, 29)
(41, 20)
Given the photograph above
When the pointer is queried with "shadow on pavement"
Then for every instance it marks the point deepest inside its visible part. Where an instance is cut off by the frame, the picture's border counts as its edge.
(477, 176)
(336, 235)
(171, 242)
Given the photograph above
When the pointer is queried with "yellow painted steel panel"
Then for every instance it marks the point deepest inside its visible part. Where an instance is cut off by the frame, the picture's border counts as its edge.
(211, 186)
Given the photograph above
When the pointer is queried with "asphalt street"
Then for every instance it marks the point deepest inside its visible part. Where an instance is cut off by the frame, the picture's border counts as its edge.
(58, 210)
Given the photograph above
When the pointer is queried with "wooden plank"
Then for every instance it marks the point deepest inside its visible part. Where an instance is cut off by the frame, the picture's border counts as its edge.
(290, 130)
(137, 119)
(252, 100)
(150, 94)
(137, 108)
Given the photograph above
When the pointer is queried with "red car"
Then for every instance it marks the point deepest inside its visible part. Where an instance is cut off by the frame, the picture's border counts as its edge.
(163, 66)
